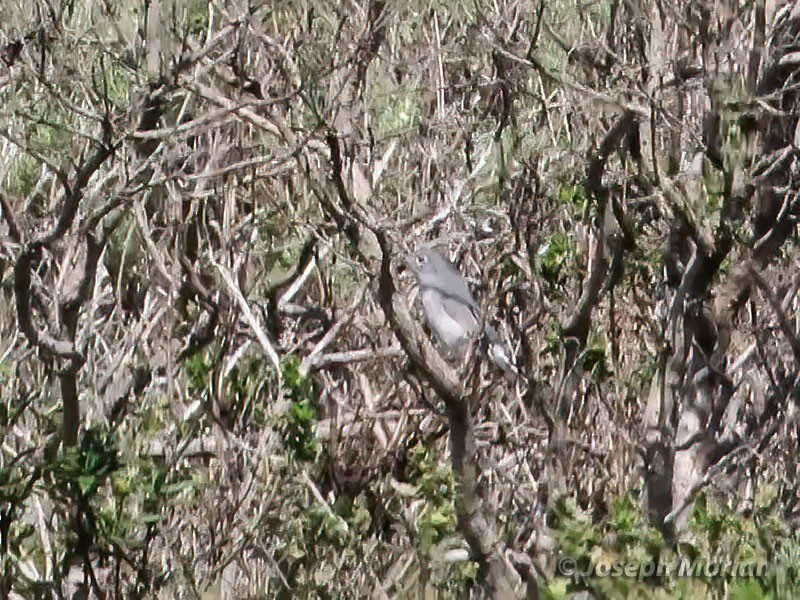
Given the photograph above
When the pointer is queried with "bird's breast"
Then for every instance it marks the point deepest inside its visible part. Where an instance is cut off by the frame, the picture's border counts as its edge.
(448, 329)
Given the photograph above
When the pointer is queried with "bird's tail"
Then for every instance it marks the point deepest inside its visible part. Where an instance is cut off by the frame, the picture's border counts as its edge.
(499, 354)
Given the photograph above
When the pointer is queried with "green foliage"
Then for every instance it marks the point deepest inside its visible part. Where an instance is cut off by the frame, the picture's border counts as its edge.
(714, 188)
(436, 524)
(194, 17)
(11, 409)
(397, 109)
(733, 101)
(141, 490)
(331, 528)
(645, 371)
(86, 467)
(761, 560)
(243, 391)
(554, 257)
(784, 580)
(281, 254)
(510, 269)
(246, 389)
(300, 419)
(355, 512)
(118, 82)
(317, 538)
(573, 527)
(16, 486)
(48, 133)
(274, 226)
(300, 387)
(23, 175)
(433, 481)
(714, 522)
(573, 195)
(198, 370)
(299, 430)
(553, 339)
(461, 576)
(594, 357)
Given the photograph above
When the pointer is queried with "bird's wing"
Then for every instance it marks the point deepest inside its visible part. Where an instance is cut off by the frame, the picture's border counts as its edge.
(460, 312)
(492, 344)
(452, 283)
(458, 289)
(499, 353)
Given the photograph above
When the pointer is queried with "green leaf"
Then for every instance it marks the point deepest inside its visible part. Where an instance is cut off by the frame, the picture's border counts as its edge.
(87, 483)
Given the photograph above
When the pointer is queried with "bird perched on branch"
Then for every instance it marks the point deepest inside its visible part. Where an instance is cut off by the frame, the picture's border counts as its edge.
(452, 313)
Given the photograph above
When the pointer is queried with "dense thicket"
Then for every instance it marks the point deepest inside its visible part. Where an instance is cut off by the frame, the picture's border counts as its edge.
(214, 376)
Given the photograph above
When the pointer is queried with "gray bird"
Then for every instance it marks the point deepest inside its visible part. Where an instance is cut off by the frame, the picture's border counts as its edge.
(450, 310)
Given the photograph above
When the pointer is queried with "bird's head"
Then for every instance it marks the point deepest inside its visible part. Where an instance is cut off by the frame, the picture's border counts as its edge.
(427, 265)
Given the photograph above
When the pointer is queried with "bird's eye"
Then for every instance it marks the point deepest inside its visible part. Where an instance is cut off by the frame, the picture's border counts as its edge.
(421, 259)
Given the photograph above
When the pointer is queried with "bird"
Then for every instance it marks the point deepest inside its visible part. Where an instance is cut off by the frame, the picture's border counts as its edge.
(451, 311)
